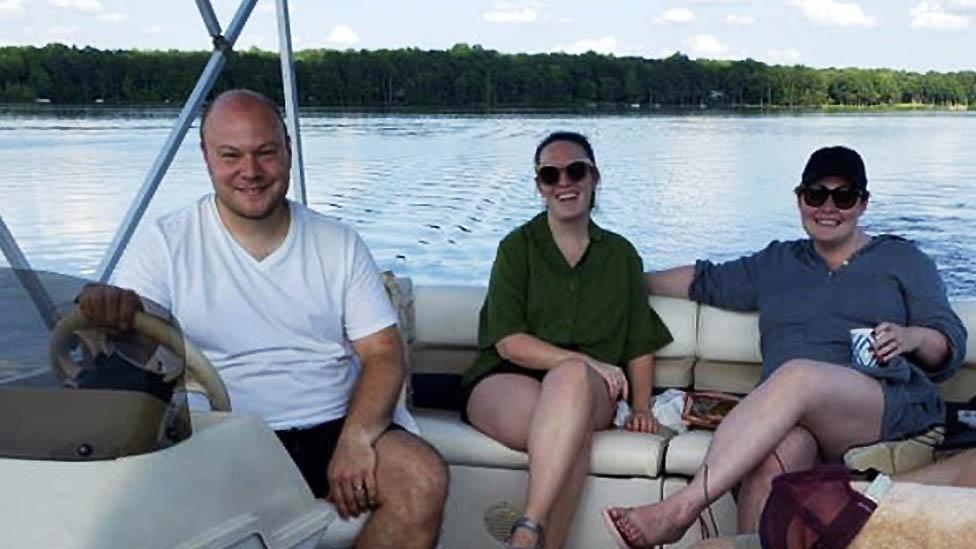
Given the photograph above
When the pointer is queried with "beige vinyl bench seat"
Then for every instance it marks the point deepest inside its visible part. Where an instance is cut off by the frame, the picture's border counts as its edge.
(615, 453)
(713, 349)
(732, 364)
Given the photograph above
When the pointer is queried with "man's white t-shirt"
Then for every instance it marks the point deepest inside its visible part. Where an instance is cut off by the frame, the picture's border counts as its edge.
(277, 330)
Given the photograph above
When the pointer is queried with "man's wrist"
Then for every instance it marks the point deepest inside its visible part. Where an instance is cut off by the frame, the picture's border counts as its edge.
(359, 434)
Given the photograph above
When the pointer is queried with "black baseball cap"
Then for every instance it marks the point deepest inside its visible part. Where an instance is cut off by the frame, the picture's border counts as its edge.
(835, 161)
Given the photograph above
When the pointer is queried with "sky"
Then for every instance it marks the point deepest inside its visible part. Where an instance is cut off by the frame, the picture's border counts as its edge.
(902, 34)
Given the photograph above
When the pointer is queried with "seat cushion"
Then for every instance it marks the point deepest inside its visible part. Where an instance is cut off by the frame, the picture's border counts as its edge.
(729, 377)
(615, 452)
(686, 452)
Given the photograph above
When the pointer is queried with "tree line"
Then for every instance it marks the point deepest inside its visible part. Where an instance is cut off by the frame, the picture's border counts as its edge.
(468, 77)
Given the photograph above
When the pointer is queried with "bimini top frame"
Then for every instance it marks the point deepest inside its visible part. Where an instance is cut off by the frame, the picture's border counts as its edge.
(223, 44)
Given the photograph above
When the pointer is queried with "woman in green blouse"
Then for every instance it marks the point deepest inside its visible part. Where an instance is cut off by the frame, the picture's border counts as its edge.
(566, 309)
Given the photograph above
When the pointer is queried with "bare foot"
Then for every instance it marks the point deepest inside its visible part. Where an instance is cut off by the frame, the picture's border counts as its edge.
(645, 526)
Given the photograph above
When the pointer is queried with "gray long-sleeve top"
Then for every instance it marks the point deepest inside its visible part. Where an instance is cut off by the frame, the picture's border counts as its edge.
(806, 310)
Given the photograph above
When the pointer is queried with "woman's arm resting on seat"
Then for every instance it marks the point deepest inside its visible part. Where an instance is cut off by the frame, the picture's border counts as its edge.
(641, 372)
(671, 282)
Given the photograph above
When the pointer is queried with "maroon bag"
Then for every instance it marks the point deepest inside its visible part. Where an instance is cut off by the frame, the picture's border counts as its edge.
(813, 509)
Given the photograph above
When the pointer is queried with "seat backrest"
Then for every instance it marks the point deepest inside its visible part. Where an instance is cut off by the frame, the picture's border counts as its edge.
(713, 349)
(728, 354)
(446, 332)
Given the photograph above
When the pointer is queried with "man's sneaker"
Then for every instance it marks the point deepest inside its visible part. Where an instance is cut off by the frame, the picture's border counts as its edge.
(897, 456)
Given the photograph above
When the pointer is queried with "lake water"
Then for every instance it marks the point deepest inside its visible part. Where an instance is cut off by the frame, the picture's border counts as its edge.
(433, 194)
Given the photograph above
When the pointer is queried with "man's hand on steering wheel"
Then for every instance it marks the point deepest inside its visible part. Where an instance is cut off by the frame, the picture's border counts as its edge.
(109, 306)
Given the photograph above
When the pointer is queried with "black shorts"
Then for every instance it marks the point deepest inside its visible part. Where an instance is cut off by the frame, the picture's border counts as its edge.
(311, 449)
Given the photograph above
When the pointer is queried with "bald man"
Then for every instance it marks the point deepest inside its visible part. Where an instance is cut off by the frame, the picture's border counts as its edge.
(289, 307)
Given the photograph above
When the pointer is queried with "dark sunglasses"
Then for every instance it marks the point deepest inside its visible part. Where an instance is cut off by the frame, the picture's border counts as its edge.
(844, 197)
(575, 171)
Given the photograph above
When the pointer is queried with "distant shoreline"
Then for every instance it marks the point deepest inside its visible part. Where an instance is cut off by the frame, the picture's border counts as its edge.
(471, 79)
(173, 109)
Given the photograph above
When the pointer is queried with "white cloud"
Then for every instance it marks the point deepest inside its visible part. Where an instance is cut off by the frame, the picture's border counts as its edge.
(63, 34)
(504, 12)
(706, 45)
(606, 44)
(10, 6)
(962, 4)
(931, 15)
(88, 6)
(788, 56)
(740, 20)
(833, 13)
(720, 1)
(114, 17)
(153, 29)
(342, 35)
(675, 15)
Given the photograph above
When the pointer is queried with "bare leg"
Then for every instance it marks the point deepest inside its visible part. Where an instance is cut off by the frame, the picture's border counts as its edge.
(565, 409)
(839, 406)
(959, 470)
(967, 477)
(411, 485)
(796, 452)
(561, 516)
(501, 406)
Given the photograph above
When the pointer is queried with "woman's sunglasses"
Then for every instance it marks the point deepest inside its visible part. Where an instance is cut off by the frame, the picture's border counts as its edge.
(844, 197)
(575, 171)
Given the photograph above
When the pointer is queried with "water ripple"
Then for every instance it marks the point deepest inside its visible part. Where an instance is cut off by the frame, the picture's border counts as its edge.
(433, 195)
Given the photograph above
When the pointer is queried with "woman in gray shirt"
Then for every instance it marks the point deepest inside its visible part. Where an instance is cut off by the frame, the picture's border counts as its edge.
(812, 401)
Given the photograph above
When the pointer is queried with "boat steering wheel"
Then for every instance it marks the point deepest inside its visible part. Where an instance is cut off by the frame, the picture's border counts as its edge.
(200, 371)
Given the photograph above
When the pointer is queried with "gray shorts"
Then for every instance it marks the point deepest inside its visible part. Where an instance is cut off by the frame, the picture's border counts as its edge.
(912, 403)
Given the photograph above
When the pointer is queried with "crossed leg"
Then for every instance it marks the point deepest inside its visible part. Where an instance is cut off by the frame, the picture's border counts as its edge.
(838, 406)
(796, 452)
(562, 411)
(411, 486)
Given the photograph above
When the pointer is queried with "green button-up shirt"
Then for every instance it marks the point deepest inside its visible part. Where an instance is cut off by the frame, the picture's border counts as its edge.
(599, 307)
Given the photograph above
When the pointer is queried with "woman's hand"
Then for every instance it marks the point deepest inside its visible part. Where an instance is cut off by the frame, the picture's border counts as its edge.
(614, 376)
(641, 421)
(891, 340)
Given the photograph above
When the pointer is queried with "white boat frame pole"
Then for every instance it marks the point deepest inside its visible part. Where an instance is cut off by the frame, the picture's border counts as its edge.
(28, 278)
(290, 91)
(223, 45)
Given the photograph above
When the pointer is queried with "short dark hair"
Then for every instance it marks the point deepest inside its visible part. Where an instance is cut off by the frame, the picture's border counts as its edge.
(575, 138)
(251, 94)
(571, 137)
